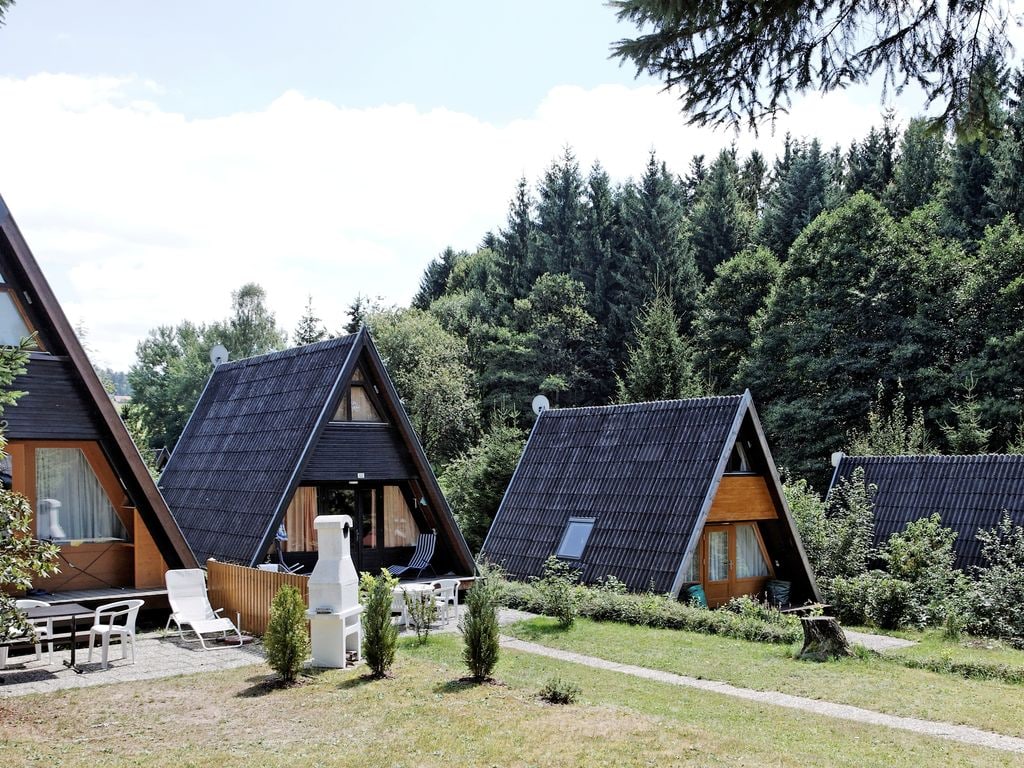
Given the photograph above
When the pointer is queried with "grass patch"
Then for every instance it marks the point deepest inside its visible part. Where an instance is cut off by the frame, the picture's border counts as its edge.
(972, 658)
(420, 718)
(864, 680)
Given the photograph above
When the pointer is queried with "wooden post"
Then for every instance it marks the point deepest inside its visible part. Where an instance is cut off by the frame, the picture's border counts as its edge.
(823, 639)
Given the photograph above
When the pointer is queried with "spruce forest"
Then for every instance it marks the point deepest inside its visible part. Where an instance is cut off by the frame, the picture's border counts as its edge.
(869, 296)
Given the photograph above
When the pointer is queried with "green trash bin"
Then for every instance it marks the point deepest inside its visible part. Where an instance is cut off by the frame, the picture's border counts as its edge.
(695, 594)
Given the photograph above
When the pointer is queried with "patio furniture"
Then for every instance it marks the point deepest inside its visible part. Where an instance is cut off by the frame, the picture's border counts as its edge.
(190, 607)
(62, 611)
(115, 619)
(44, 628)
(447, 597)
(421, 557)
(401, 592)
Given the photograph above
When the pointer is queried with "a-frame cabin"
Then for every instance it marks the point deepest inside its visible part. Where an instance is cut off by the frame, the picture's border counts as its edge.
(280, 438)
(659, 495)
(69, 452)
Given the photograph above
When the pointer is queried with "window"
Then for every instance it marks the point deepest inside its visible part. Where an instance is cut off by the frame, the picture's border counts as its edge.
(357, 404)
(738, 462)
(692, 573)
(574, 540)
(400, 529)
(12, 325)
(71, 504)
(750, 562)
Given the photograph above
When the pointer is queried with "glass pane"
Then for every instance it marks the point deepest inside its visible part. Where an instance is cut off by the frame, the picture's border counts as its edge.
(399, 526)
(368, 515)
(718, 555)
(357, 376)
(298, 521)
(342, 413)
(693, 570)
(575, 539)
(750, 562)
(72, 505)
(12, 327)
(362, 407)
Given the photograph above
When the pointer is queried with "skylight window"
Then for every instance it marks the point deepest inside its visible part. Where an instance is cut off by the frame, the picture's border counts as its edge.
(574, 540)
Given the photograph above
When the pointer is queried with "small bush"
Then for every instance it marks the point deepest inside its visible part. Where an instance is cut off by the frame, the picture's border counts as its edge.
(875, 598)
(559, 590)
(287, 639)
(480, 629)
(380, 635)
(997, 597)
(559, 691)
(661, 611)
(422, 610)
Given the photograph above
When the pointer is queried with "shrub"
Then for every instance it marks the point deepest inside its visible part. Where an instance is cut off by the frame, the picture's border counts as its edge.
(848, 597)
(380, 635)
(287, 639)
(603, 604)
(997, 598)
(891, 603)
(922, 554)
(480, 629)
(559, 691)
(559, 591)
(422, 610)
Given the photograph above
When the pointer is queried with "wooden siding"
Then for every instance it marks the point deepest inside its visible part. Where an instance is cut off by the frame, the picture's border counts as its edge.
(54, 407)
(150, 566)
(742, 497)
(346, 450)
(248, 591)
(91, 565)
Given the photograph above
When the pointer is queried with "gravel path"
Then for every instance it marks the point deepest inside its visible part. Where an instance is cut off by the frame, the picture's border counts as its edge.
(960, 733)
(877, 643)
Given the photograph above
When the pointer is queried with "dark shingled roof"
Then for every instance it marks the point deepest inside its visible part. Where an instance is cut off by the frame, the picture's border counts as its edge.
(247, 435)
(967, 492)
(644, 471)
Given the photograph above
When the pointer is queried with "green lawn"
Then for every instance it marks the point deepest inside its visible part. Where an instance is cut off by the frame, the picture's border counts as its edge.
(424, 717)
(872, 683)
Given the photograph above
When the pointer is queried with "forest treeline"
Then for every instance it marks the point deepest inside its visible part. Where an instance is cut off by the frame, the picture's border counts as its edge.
(853, 290)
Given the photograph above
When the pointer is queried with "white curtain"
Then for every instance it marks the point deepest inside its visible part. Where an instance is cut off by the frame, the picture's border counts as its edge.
(750, 562)
(718, 555)
(71, 503)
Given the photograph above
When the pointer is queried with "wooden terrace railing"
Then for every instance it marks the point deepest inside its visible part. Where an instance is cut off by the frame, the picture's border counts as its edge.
(248, 591)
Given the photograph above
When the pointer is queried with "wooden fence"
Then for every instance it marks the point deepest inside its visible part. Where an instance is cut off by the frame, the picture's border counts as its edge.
(248, 591)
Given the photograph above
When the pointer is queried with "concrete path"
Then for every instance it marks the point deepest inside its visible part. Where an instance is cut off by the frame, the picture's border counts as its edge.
(878, 643)
(960, 733)
(155, 657)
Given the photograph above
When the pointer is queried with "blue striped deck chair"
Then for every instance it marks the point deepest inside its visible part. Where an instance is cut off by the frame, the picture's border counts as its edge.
(421, 558)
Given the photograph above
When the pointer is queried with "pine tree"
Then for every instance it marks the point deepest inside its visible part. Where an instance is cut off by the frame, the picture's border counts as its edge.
(719, 223)
(870, 163)
(435, 279)
(310, 328)
(798, 196)
(966, 436)
(659, 365)
(559, 214)
(520, 263)
(723, 330)
(654, 226)
(753, 181)
(920, 167)
(1005, 191)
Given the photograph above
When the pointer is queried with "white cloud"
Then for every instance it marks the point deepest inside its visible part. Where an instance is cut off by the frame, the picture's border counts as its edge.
(141, 216)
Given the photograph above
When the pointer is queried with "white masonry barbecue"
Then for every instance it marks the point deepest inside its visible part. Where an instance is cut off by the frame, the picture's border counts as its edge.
(334, 608)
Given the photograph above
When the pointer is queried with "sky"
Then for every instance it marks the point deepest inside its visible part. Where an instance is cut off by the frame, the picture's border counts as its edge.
(159, 155)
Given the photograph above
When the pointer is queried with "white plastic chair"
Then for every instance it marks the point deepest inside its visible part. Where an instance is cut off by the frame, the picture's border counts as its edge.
(44, 628)
(446, 595)
(105, 624)
(190, 607)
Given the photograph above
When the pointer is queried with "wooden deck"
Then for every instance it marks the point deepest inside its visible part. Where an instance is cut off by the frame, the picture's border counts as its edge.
(107, 595)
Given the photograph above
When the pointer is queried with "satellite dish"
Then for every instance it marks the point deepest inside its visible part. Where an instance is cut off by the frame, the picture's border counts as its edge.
(540, 404)
(218, 355)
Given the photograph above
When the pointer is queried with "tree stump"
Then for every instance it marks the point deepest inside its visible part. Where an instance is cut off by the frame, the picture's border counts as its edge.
(823, 639)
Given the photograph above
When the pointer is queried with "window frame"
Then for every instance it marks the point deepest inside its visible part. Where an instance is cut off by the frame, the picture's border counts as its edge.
(361, 380)
(590, 522)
